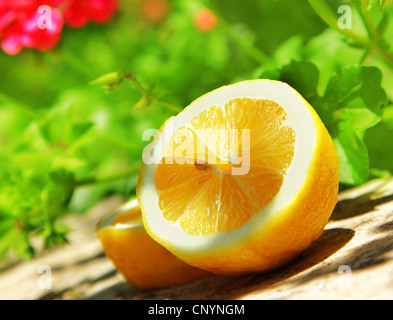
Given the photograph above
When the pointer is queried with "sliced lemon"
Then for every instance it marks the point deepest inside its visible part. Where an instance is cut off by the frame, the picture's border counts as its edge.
(141, 260)
(243, 179)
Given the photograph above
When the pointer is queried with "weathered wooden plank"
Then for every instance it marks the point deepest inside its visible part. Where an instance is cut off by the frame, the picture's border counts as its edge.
(353, 259)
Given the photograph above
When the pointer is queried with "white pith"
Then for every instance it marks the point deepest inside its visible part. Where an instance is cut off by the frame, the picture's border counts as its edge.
(106, 222)
(170, 234)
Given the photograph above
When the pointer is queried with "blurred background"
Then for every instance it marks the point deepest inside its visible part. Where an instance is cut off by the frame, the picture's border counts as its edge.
(72, 113)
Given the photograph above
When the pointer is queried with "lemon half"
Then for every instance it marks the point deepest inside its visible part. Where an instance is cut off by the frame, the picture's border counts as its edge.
(243, 179)
(141, 260)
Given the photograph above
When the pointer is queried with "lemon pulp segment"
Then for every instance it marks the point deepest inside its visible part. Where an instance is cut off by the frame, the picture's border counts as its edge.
(194, 182)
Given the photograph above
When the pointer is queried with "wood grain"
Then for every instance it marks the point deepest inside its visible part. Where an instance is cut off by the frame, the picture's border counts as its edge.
(353, 259)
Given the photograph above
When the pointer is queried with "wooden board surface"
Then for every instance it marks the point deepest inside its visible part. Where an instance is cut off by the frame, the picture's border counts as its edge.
(353, 259)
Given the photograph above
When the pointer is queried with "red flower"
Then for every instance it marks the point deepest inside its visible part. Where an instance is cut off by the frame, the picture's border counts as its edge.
(30, 24)
(37, 24)
(77, 13)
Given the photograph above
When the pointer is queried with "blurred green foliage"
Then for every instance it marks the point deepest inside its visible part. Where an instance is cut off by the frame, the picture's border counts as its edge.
(71, 120)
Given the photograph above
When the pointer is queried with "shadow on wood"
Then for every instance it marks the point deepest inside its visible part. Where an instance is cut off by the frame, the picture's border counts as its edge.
(227, 287)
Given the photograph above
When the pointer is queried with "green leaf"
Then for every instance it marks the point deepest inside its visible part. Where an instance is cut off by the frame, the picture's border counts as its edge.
(356, 81)
(356, 116)
(61, 177)
(303, 76)
(268, 72)
(79, 129)
(343, 87)
(353, 157)
(13, 238)
(22, 247)
(351, 103)
(54, 234)
(381, 153)
(57, 236)
(8, 233)
(373, 95)
(353, 97)
(106, 79)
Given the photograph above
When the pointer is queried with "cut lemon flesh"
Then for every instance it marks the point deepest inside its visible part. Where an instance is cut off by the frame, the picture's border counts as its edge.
(216, 199)
(245, 178)
(141, 260)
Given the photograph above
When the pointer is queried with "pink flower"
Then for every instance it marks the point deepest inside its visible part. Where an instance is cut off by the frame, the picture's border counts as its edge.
(30, 24)
(77, 13)
(37, 24)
